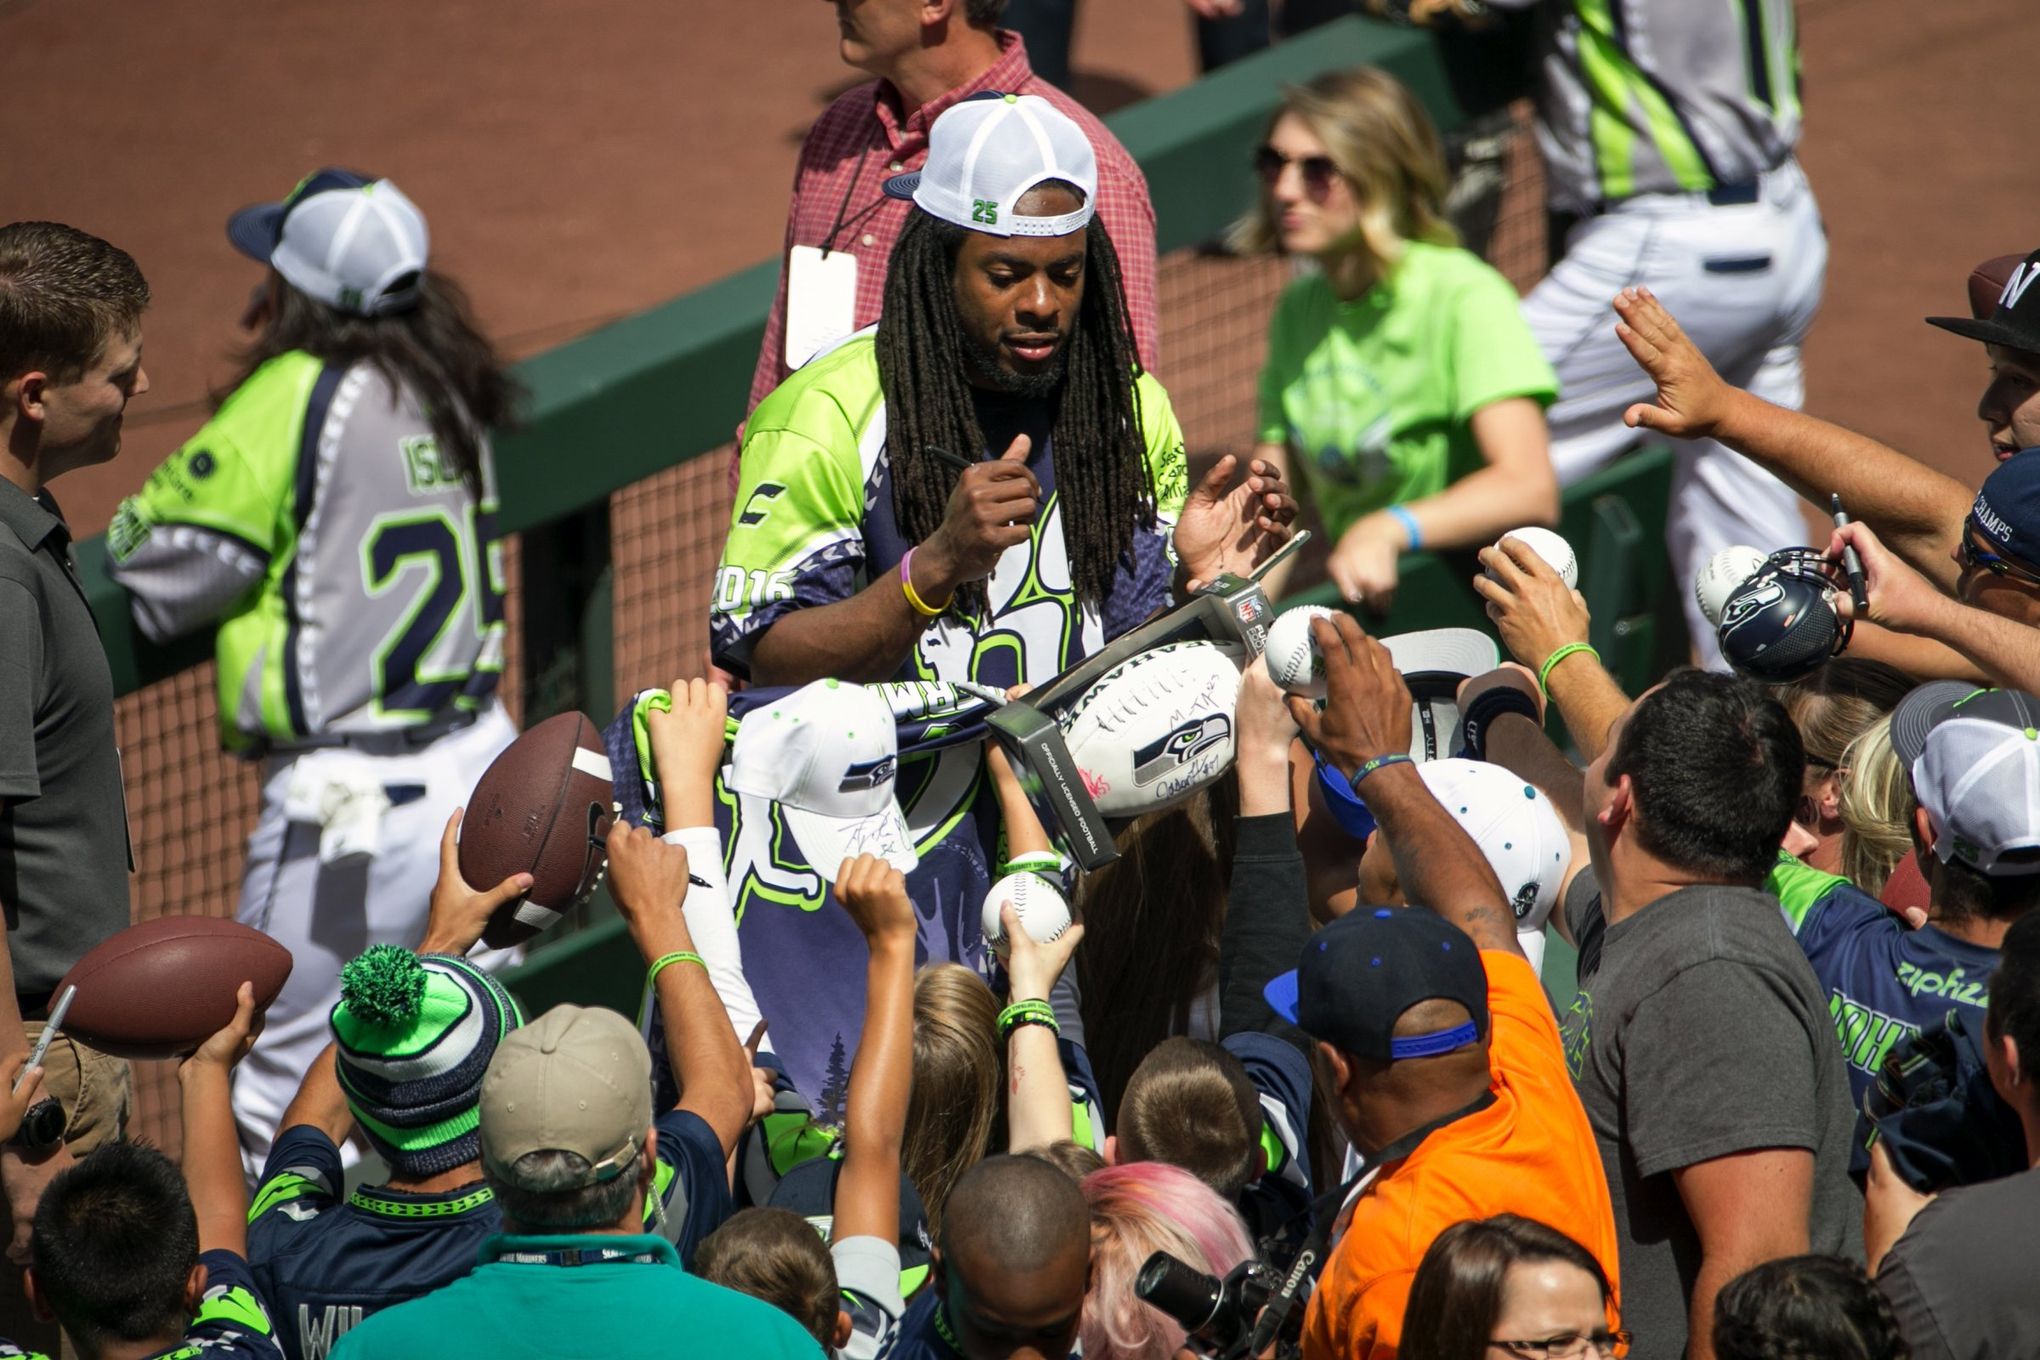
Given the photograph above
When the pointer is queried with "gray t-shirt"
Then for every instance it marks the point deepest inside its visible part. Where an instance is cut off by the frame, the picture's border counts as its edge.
(63, 836)
(1700, 1031)
(1961, 1277)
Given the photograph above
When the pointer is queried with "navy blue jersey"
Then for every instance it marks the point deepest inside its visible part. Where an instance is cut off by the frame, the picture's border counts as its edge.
(325, 1263)
(1276, 1204)
(1884, 980)
(231, 1324)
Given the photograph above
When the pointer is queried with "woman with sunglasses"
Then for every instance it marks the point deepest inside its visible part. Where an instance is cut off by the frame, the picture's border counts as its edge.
(1399, 375)
(1502, 1287)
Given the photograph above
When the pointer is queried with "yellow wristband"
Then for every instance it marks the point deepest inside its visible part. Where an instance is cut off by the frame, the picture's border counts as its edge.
(1544, 672)
(664, 961)
(914, 600)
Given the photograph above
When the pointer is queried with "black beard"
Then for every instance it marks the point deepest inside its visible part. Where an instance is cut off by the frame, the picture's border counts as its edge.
(982, 368)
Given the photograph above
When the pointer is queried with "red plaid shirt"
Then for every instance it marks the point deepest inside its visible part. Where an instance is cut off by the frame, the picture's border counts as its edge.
(859, 142)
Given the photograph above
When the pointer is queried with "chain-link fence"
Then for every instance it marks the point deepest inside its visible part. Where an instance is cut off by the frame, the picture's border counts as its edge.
(192, 806)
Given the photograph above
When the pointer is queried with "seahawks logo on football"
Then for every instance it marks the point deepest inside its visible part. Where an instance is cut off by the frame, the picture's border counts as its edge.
(1159, 759)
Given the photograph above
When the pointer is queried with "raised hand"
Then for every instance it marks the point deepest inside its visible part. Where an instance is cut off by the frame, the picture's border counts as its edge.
(1233, 528)
(991, 508)
(460, 913)
(1691, 397)
(1534, 610)
(875, 896)
(1367, 705)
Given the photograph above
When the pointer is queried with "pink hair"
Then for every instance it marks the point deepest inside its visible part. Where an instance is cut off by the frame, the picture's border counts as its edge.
(1136, 1210)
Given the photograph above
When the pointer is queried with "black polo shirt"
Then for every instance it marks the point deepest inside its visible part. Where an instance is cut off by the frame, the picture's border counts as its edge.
(63, 834)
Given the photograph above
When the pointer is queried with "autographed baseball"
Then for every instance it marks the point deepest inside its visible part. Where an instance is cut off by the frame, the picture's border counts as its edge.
(1556, 552)
(1724, 572)
(1043, 913)
(1292, 655)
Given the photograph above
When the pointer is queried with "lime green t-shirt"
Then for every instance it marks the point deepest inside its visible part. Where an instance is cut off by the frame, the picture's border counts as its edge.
(1374, 396)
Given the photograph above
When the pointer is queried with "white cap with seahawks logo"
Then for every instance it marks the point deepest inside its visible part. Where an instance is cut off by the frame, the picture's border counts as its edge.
(986, 152)
(827, 754)
(1515, 826)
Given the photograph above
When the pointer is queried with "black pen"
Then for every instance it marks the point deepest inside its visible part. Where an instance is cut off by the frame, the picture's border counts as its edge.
(1852, 564)
(955, 460)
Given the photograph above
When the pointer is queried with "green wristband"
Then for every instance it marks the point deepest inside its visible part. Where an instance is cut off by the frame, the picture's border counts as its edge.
(665, 961)
(1028, 1013)
(1544, 671)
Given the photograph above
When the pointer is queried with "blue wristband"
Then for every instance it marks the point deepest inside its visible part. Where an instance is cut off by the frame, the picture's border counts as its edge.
(1409, 523)
(1378, 762)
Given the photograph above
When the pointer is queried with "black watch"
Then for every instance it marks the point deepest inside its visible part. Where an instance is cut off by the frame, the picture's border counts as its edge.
(42, 1128)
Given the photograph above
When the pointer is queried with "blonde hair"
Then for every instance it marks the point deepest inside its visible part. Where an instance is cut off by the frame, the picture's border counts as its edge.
(1876, 806)
(1386, 148)
(956, 1082)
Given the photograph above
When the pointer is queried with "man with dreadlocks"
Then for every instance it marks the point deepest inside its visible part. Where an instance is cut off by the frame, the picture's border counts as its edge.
(984, 487)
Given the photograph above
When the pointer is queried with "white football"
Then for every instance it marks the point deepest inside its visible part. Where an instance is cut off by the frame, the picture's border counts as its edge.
(1291, 653)
(1043, 912)
(1724, 573)
(1156, 728)
(1556, 552)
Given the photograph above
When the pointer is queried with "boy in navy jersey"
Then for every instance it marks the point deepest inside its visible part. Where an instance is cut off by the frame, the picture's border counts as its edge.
(131, 1258)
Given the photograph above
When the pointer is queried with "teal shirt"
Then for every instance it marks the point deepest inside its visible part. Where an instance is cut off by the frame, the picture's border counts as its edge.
(1375, 396)
(643, 1305)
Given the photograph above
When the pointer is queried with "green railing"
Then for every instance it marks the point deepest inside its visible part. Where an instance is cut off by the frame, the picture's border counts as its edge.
(644, 394)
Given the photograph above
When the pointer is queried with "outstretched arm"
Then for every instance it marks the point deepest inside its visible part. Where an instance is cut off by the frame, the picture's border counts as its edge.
(1267, 916)
(1919, 511)
(882, 1077)
(648, 879)
(1363, 730)
(2007, 651)
(1537, 615)
(212, 1149)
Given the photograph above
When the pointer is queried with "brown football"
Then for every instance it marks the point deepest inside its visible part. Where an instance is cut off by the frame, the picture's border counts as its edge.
(164, 987)
(542, 808)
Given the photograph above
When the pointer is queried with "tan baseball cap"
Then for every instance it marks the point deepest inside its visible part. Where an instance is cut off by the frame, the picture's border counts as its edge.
(577, 1079)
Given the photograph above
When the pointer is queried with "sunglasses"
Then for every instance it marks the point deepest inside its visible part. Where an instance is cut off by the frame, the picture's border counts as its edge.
(1318, 171)
(1972, 556)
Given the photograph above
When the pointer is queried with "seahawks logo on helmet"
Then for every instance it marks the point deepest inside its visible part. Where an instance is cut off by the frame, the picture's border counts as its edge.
(1751, 599)
(1181, 746)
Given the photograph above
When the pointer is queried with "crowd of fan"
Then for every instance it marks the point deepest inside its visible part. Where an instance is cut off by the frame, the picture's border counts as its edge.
(1791, 1111)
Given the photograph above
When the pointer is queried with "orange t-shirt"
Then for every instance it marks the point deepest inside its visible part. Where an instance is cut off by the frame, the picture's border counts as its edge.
(1531, 1153)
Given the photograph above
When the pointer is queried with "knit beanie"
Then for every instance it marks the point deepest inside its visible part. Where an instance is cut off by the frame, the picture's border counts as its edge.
(415, 1036)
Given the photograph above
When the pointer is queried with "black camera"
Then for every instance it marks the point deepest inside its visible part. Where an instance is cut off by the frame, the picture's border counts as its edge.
(1218, 1313)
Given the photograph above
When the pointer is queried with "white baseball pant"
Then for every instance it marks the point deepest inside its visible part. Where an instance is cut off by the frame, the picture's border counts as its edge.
(325, 914)
(1744, 281)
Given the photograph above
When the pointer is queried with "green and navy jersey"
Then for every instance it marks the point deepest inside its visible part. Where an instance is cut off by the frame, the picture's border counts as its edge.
(357, 584)
(325, 1262)
(1884, 980)
(231, 1323)
(814, 524)
(1664, 96)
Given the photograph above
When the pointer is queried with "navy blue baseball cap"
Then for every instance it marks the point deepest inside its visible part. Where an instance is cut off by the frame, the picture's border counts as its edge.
(1360, 973)
(809, 1189)
(2006, 512)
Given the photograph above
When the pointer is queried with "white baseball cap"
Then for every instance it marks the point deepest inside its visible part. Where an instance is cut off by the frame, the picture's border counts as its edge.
(353, 243)
(987, 152)
(1434, 663)
(1974, 757)
(827, 754)
(1518, 830)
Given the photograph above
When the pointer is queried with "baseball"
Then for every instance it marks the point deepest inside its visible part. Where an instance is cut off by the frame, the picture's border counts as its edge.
(1718, 580)
(1043, 913)
(1556, 552)
(1292, 655)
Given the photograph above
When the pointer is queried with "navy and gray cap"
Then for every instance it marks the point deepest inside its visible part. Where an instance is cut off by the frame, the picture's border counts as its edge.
(350, 241)
(1974, 759)
(1360, 973)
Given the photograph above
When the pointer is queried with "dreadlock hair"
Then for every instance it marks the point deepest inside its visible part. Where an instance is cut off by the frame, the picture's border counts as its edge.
(1101, 479)
(435, 348)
